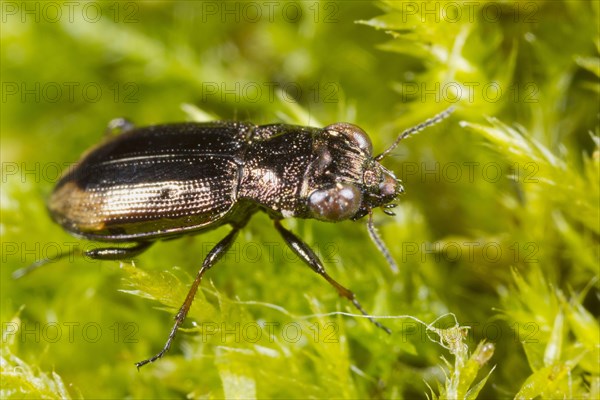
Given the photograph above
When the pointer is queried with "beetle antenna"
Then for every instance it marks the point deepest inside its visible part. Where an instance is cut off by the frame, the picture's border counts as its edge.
(379, 243)
(415, 129)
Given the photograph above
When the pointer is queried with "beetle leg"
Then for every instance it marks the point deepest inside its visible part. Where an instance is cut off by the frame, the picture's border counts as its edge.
(213, 256)
(108, 253)
(379, 243)
(118, 253)
(21, 272)
(303, 251)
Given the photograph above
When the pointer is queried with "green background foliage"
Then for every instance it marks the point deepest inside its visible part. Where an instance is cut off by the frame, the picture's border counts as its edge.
(496, 236)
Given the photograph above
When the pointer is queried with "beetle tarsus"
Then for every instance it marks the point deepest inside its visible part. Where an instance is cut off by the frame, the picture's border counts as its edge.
(21, 272)
(164, 350)
(118, 126)
(370, 318)
(211, 259)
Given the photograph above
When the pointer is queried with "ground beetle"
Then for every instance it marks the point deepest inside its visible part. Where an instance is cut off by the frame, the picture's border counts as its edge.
(165, 181)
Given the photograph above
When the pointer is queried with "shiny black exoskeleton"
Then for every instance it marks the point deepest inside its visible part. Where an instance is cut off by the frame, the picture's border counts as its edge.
(169, 180)
(165, 181)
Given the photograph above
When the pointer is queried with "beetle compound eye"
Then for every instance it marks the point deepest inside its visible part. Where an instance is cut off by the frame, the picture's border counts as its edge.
(388, 186)
(335, 204)
(354, 134)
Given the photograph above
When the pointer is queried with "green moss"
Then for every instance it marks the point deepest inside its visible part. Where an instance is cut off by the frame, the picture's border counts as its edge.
(496, 236)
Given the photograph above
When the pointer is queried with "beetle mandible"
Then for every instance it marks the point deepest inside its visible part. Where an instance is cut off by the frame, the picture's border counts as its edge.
(165, 181)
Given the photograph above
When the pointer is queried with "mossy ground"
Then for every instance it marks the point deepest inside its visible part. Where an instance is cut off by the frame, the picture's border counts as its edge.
(496, 236)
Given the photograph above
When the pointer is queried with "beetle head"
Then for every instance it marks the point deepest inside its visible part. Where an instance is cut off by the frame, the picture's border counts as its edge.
(351, 182)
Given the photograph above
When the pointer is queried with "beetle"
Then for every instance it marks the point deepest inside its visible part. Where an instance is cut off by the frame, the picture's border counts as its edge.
(166, 181)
